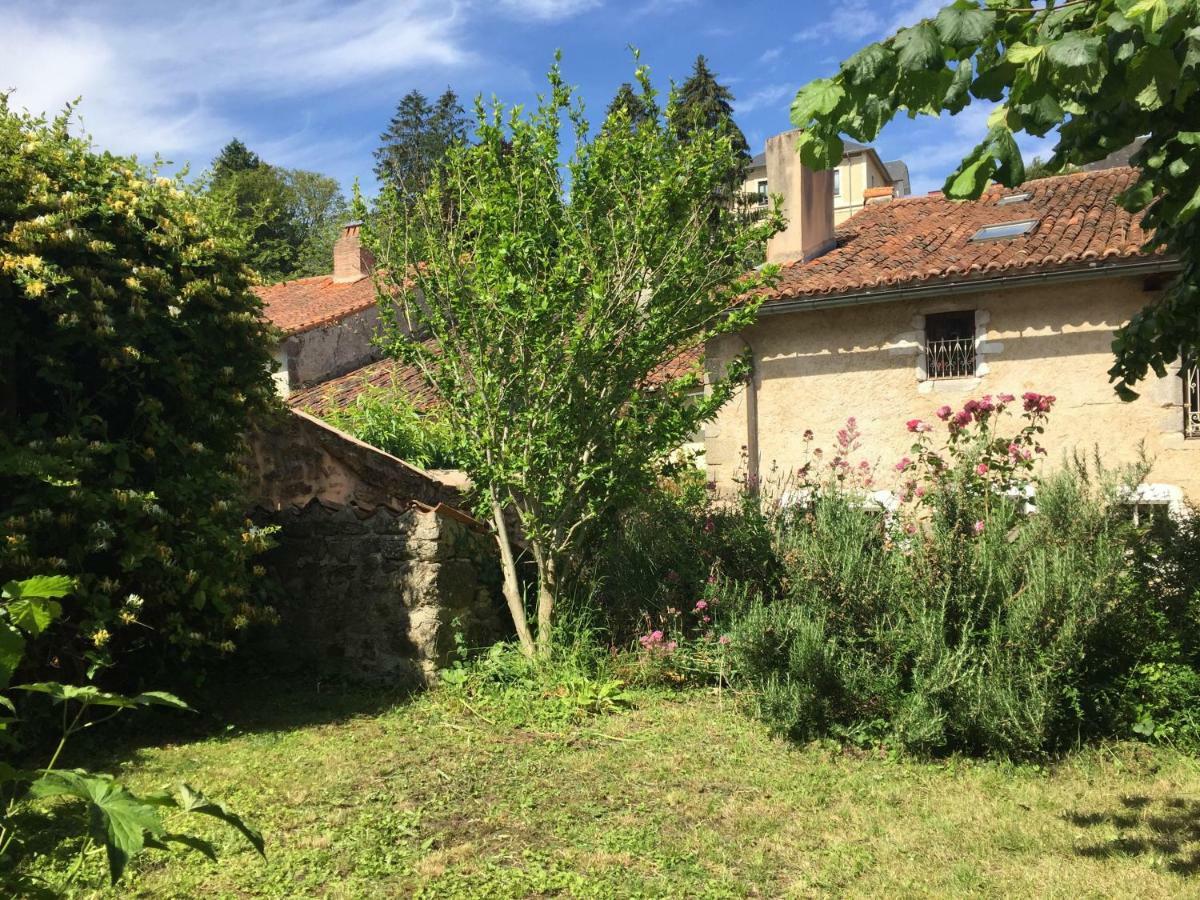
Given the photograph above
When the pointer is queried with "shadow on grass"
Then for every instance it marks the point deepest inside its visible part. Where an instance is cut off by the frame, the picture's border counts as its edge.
(229, 705)
(1168, 828)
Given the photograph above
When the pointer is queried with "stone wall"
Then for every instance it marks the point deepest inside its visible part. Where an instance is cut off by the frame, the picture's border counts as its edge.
(380, 595)
(376, 566)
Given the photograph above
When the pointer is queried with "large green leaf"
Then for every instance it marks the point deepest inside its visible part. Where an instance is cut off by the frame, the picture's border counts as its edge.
(918, 48)
(868, 63)
(816, 100)
(1074, 51)
(33, 615)
(40, 586)
(191, 800)
(12, 649)
(117, 819)
(964, 24)
(92, 696)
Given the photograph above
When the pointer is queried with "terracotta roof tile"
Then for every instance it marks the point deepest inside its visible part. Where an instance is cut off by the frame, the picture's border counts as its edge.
(923, 240)
(334, 394)
(306, 303)
(341, 392)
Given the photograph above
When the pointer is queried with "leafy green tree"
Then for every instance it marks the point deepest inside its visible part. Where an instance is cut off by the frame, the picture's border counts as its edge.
(290, 216)
(132, 358)
(705, 104)
(550, 299)
(416, 140)
(1103, 72)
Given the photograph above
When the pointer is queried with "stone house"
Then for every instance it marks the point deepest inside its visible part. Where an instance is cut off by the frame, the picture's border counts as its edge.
(919, 302)
(327, 321)
(861, 170)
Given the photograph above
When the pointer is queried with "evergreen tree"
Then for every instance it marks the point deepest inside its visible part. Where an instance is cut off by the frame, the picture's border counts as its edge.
(234, 157)
(628, 101)
(705, 103)
(417, 138)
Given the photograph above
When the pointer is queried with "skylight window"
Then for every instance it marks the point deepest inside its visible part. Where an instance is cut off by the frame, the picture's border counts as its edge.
(1013, 198)
(1003, 230)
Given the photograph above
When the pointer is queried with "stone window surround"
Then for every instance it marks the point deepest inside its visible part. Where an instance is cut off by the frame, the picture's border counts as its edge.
(912, 343)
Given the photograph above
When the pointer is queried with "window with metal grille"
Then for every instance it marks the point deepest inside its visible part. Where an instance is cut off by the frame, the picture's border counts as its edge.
(1191, 398)
(950, 345)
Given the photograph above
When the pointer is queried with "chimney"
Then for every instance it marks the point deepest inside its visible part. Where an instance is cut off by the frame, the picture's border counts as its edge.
(807, 203)
(351, 260)
(878, 194)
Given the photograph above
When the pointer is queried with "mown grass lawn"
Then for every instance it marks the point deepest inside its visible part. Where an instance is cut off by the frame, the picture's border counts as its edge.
(680, 796)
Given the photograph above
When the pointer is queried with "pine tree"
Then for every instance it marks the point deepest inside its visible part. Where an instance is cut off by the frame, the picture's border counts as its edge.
(417, 138)
(704, 103)
(234, 157)
(627, 101)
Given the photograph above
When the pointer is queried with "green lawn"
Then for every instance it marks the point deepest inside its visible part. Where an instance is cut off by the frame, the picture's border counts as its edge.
(681, 796)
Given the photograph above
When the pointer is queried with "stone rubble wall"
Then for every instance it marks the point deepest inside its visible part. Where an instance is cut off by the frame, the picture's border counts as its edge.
(376, 569)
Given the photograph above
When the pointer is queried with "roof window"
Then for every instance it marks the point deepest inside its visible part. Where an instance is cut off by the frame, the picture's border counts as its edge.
(1013, 198)
(1003, 230)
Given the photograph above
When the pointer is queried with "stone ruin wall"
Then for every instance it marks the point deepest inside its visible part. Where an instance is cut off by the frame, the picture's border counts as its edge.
(376, 567)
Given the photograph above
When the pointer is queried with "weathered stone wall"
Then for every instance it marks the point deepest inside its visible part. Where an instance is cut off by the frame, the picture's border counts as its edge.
(374, 562)
(380, 595)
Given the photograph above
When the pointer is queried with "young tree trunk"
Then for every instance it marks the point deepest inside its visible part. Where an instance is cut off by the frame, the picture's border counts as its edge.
(547, 590)
(512, 586)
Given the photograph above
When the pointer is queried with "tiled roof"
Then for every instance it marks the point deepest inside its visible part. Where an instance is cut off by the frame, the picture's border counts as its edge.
(306, 303)
(926, 240)
(341, 392)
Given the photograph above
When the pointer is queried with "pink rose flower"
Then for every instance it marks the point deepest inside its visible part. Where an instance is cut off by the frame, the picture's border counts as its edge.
(944, 413)
(904, 463)
(978, 526)
(701, 604)
(981, 469)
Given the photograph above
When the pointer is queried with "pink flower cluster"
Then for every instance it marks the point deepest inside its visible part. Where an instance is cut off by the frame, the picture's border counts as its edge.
(1038, 403)
(655, 641)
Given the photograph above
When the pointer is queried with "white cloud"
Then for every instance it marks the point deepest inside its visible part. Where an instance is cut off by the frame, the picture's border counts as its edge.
(771, 55)
(549, 10)
(906, 14)
(153, 80)
(856, 22)
(770, 95)
(851, 21)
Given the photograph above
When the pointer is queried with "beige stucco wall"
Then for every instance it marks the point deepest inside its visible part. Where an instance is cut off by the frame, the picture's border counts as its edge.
(859, 171)
(814, 369)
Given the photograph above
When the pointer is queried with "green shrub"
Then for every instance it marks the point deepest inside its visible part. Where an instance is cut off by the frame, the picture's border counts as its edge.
(651, 563)
(132, 356)
(965, 622)
(386, 418)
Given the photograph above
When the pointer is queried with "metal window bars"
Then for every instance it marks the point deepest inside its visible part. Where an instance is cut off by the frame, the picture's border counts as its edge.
(950, 358)
(1191, 399)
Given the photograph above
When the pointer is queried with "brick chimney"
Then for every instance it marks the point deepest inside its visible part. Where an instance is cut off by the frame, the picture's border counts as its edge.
(807, 203)
(351, 260)
(880, 194)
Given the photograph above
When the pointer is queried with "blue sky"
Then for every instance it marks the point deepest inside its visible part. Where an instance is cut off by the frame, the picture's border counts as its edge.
(311, 83)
